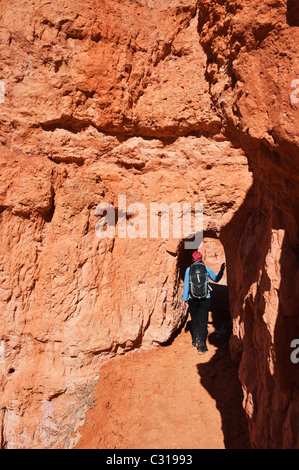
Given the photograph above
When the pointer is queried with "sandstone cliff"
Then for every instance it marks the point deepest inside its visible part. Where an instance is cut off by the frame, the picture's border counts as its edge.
(182, 101)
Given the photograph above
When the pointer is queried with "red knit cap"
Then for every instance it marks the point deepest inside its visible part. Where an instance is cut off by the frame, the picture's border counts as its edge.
(196, 256)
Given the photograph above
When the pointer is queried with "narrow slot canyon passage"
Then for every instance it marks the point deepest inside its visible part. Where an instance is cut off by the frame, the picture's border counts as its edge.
(169, 397)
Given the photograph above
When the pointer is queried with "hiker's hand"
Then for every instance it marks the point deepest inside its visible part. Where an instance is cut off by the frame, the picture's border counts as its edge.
(186, 305)
(222, 266)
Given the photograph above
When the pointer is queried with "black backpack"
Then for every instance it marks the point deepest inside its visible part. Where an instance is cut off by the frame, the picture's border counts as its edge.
(198, 279)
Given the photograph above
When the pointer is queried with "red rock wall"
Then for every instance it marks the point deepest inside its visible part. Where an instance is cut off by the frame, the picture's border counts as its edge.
(160, 103)
(251, 52)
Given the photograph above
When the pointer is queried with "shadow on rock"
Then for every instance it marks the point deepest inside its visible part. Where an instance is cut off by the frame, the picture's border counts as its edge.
(219, 376)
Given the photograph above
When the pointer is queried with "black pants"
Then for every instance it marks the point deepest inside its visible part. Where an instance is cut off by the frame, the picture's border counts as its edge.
(199, 311)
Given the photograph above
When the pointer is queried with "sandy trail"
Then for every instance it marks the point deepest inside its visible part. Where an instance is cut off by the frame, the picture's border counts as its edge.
(168, 398)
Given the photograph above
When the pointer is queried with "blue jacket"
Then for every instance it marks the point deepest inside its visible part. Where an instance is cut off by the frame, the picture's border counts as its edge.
(211, 275)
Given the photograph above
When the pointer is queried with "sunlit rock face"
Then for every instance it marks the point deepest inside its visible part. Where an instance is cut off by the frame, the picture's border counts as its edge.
(193, 102)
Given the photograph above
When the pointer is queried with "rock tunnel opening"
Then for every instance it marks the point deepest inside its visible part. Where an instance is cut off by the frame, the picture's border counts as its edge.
(213, 256)
(218, 373)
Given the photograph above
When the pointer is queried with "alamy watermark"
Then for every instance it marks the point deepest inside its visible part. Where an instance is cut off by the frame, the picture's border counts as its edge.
(2, 91)
(161, 220)
(1, 351)
(295, 93)
(295, 354)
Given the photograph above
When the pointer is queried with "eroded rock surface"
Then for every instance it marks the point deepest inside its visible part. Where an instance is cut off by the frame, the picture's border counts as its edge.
(168, 103)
